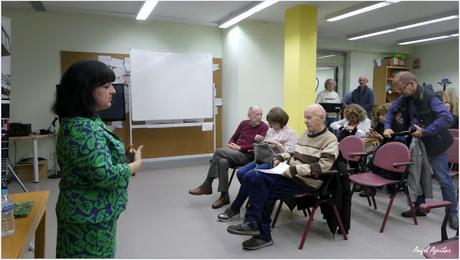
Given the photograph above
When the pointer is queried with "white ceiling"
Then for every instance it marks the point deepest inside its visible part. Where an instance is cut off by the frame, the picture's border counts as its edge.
(212, 12)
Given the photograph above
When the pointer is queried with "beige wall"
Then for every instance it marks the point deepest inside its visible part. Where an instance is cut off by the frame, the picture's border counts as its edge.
(37, 39)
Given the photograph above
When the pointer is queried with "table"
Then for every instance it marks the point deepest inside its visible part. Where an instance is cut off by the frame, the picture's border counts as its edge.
(34, 138)
(15, 245)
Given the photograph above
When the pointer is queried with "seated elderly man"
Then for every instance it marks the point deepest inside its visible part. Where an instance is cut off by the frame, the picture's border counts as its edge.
(314, 153)
(239, 151)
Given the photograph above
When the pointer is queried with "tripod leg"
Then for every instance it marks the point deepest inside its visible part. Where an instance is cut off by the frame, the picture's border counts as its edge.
(16, 177)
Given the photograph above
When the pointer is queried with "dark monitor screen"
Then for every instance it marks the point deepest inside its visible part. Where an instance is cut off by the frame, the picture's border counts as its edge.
(331, 107)
(117, 111)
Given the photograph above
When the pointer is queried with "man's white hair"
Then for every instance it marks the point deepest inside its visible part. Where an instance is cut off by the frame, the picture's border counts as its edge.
(253, 107)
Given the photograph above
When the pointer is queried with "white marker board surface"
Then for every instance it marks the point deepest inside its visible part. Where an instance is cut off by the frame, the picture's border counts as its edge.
(170, 86)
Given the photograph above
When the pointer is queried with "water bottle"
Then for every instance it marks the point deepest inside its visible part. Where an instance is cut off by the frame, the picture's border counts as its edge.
(7, 214)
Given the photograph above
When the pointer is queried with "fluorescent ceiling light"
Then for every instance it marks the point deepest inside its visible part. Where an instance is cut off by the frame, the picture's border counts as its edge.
(326, 56)
(324, 68)
(146, 9)
(360, 9)
(428, 38)
(400, 27)
(447, 18)
(247, 13)
(371, 34)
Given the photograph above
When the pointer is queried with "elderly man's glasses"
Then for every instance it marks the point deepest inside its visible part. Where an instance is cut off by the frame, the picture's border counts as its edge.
(405, 86)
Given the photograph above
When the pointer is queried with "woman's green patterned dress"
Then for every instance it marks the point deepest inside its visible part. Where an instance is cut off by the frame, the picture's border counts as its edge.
(92, 189)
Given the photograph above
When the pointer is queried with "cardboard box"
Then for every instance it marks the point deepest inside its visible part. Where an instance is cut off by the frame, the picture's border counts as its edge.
(395, 61)
(25, 171)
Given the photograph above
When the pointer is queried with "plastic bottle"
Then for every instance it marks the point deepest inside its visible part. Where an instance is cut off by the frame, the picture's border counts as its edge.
(7, 214)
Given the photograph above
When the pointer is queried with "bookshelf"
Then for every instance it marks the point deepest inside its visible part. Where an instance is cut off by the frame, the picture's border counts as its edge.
(383, 77)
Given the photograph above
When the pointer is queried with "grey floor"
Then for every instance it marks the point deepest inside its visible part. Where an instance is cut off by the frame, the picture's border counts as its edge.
(163, 221)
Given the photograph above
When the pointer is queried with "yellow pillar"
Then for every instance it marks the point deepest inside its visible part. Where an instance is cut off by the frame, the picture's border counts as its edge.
(300, 33)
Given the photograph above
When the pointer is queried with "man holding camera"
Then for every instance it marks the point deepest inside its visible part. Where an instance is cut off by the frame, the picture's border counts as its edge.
(425, 112)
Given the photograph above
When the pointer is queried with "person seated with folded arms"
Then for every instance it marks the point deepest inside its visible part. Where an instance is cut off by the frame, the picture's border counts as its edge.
(314, 154)
(354, 123)
(238, 152)
(282, 137)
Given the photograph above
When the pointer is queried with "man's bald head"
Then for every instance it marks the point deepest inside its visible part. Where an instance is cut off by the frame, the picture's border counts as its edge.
(363, 81)
(314, 116)
(316, 109)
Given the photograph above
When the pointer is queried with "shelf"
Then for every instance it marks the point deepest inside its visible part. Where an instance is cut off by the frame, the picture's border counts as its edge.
(398, 67)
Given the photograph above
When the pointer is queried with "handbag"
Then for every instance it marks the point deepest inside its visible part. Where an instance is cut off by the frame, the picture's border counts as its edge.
(438, 143)
(264, 152)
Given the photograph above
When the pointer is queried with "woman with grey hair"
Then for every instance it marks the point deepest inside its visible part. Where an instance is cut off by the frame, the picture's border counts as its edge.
(329, 96)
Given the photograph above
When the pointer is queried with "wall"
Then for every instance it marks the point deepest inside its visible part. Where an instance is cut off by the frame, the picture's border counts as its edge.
(253, 70)
(438, 61)
(37, 39)
(253, 67)
(359, 64)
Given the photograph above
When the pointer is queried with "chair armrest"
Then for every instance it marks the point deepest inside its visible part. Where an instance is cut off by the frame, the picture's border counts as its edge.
(426, 207)
(353, 154)
(397, 165)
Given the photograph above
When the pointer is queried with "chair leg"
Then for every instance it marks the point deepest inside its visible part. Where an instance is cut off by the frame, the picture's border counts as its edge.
(411, 205)
(277, 213)
(309, 212)
(307, 227)
(373, 201)
(392, 197)
(366, 189)
(304, 213)
(231, 177)
(339, 220)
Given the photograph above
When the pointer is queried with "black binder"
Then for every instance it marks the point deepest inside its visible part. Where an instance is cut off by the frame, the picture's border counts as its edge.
(332, 107)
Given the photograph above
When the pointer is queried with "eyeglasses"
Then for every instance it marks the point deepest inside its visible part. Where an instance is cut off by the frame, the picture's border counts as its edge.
(405, 86)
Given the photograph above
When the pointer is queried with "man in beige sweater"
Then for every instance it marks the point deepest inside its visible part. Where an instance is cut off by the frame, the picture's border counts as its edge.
(314, 153)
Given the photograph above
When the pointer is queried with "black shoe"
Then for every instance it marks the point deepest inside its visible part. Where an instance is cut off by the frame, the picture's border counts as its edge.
(408, 214)
(228, 215)
(246, 229)
(453, 222)
(256, 243)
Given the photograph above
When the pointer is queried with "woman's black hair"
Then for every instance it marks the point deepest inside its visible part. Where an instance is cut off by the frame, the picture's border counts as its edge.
(75, 93)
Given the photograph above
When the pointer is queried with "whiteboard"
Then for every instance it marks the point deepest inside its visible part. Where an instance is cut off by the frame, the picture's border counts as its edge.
(170, 86)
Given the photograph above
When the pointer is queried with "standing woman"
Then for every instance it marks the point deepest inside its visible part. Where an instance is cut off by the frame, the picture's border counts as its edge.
(329, 96)
(93, 188)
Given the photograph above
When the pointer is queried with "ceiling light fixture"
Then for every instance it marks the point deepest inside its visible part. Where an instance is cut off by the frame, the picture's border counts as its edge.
(146, 9)
(358, 9)
(326, 56)
(407, 25)
(429, 38)
(246, 14)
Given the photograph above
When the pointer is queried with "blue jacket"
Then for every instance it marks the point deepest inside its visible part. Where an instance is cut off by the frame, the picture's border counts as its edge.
(442, 117)
(365, 99)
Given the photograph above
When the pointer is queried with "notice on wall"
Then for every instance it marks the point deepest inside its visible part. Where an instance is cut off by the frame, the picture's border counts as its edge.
(206, 127)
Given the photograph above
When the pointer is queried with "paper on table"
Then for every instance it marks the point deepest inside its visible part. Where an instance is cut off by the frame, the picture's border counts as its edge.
(279, 169)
